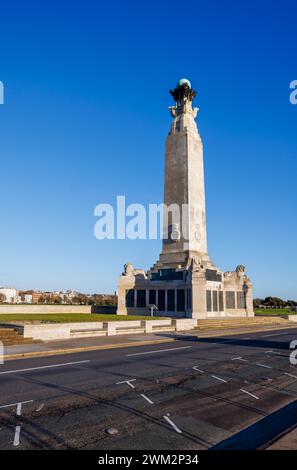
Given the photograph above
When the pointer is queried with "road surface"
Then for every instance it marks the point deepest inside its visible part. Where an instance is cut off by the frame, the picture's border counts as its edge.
(229, 392)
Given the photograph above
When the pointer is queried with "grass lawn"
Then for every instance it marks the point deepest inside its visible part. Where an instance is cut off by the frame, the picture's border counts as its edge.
(68, 317)
(273, 311)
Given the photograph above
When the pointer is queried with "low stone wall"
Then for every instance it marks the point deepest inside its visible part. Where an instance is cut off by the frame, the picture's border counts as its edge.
(292, 317)
(56, 331)
(16, 309)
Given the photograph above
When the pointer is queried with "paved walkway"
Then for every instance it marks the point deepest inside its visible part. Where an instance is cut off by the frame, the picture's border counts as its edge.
(93, 343)
(287, 442)
(60, 346)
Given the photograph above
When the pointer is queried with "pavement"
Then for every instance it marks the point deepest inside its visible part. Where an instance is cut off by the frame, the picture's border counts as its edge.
(225, 391)
(67, 346)
(286, 442)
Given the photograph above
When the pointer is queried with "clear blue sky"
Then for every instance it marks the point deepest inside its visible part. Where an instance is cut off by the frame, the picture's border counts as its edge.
(86, 116)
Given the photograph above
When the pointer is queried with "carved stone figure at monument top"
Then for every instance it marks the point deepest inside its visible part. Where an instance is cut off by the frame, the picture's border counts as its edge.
(184, 180)
(184, 281)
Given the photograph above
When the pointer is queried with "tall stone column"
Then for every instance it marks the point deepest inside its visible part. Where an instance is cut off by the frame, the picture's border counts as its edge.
(184, 181)
(184, 265)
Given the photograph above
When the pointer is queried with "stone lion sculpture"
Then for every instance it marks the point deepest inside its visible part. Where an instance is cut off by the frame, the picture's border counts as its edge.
(129, 270)
(239, 273)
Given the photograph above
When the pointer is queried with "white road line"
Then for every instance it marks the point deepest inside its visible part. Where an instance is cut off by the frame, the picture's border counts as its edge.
(42, 367)
(239, 358)
(15, 404)
(270, 351)
(263, 365)
(248, 393)
(274, 334)
(158, 351)
(19, 409)
(16, 440)
(198, 370)
(291, 375)
(147, 399)
(246, 338)
(172, 424)
(218, 378)
(128, 382)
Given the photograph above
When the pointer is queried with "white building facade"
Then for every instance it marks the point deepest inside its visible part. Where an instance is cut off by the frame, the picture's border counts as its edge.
(10, 293)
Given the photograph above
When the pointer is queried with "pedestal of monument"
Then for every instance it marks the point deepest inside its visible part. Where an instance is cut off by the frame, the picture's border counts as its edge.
(184, 282)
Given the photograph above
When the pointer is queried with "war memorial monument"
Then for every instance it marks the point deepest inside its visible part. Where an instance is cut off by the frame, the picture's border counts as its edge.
(184, 282)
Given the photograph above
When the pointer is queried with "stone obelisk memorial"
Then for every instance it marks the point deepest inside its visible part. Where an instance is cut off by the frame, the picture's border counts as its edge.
(184, 282)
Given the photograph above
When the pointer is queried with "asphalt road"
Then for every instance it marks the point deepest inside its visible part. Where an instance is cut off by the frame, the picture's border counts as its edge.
(236, 392)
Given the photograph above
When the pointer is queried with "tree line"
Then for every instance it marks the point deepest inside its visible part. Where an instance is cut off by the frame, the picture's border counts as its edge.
(79, 299)
(274, 302)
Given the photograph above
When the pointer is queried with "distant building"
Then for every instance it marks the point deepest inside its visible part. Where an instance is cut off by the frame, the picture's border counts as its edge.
(68, 295)
(25, 296)
(10, 294)
(36, 296)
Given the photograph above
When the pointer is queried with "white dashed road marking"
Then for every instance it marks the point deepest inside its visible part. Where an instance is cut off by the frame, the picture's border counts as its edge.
(128, 382)
(263, 365)
(16, 440)
(17, 432)
(291, 375)
(172, 424)
(15, 404)
(158, 351)
(219, 378)
(42, 367)
(19, 409)
(147, 399)
(248, 393)
(239, 358)
(198, 370)
(274, 334)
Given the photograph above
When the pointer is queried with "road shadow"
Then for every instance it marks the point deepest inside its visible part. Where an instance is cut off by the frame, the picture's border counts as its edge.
(263, 433)
(252, 343)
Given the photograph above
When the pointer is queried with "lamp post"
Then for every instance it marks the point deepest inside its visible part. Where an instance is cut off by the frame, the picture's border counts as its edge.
(245, 291)
(152, 307)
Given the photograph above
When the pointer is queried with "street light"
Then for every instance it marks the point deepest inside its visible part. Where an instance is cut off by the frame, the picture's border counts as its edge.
(152, 307)
(245, 289)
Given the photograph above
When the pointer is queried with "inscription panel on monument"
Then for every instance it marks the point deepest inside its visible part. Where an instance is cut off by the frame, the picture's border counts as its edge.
(221, 301)
(240, 300)
(152, 296)
(161, 299)
(215, 300)
(213, 275)
(230, 299)
(130, 295)
(180, 300)
(140, 299)
(171, 300)
(208, 301)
